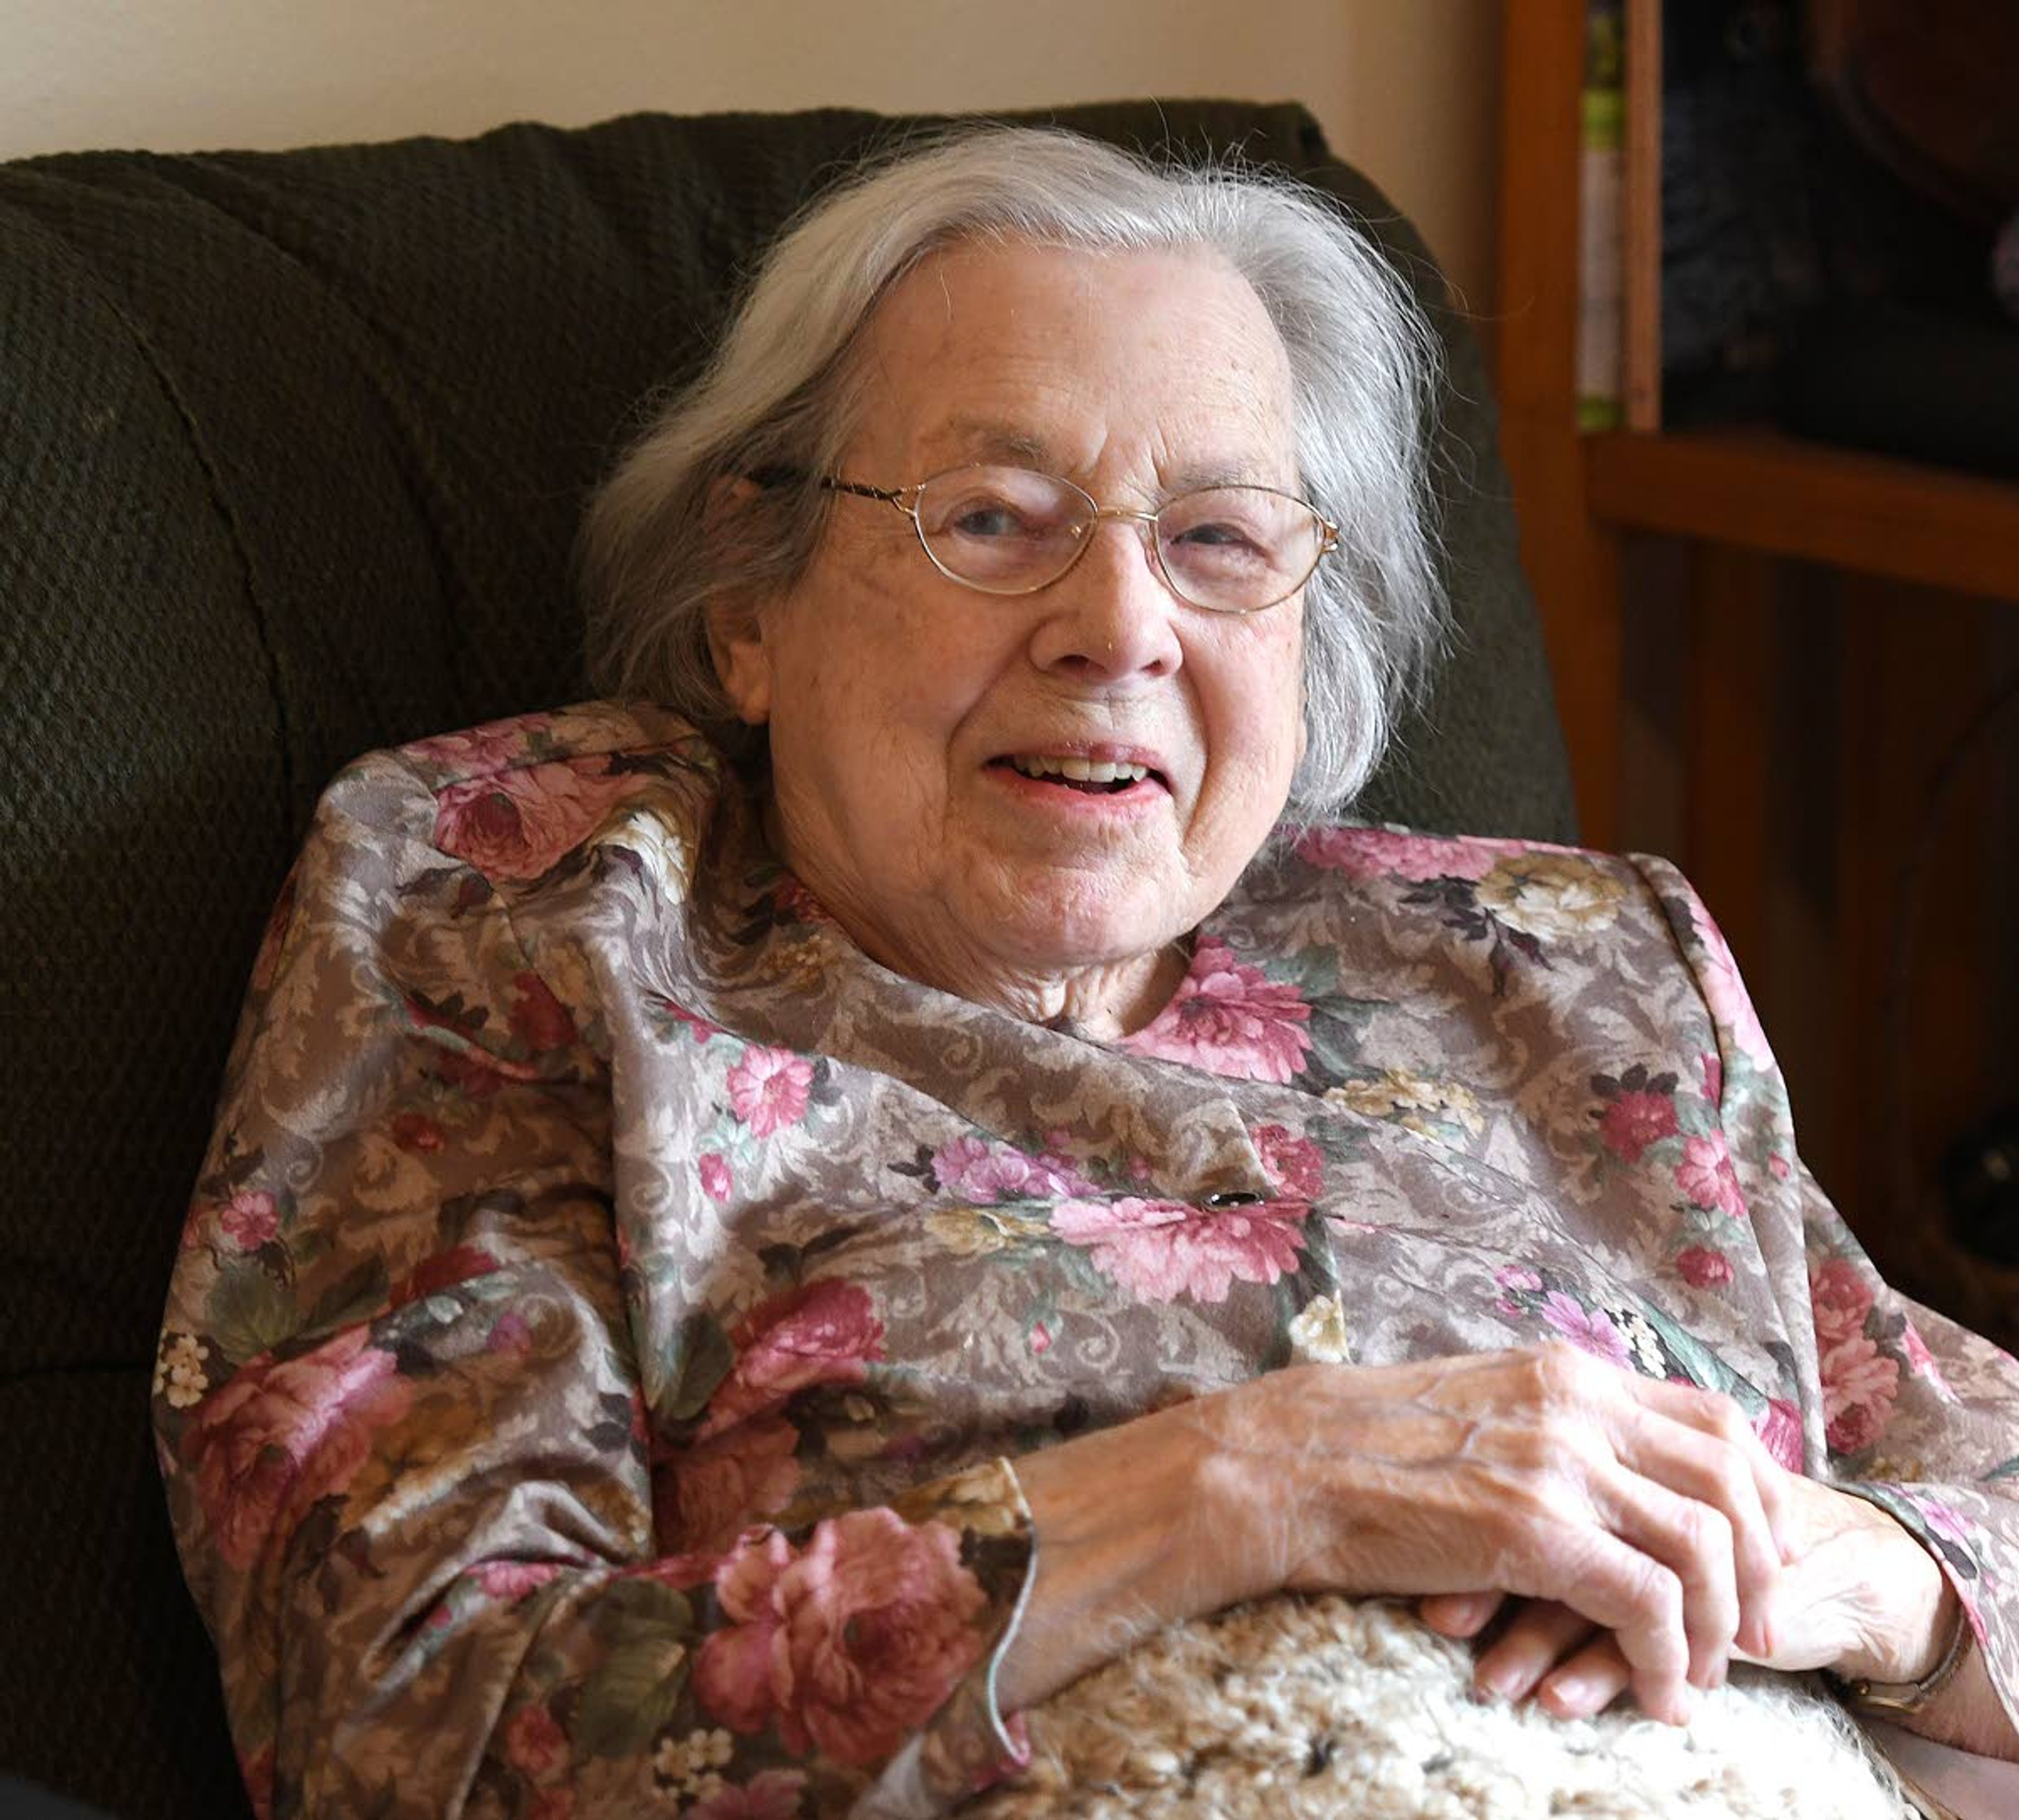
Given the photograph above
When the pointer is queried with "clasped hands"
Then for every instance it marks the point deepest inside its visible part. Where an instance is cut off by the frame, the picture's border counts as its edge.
(1642, 1533)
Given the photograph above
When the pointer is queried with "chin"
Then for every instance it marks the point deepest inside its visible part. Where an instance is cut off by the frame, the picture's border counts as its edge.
(1048, 935)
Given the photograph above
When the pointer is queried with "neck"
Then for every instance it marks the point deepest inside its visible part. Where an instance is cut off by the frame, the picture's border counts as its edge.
(1100, 1000)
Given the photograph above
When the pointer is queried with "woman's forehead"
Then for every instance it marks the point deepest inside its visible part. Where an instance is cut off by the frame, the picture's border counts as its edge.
(1022, 352)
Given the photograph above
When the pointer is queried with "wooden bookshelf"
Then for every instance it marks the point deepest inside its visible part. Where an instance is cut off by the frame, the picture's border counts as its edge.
(1741, 490)
(1865, 514)
(1885, 587)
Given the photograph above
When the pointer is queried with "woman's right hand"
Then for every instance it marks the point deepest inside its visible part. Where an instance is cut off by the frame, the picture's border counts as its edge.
(1649, 1509)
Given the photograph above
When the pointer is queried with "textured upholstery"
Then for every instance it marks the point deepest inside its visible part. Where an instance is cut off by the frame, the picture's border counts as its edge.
(293, 447)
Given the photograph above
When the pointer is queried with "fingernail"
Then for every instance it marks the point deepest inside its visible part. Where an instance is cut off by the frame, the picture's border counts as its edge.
(1574, 1694)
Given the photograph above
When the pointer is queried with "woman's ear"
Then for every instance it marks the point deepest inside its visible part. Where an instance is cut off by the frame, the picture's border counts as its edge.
(736, 625)
(742, 660)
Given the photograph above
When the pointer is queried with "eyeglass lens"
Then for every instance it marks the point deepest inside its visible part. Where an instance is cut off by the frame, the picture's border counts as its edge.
(1010, 530)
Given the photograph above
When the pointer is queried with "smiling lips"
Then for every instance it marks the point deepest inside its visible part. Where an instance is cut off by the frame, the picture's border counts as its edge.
(1081, 772)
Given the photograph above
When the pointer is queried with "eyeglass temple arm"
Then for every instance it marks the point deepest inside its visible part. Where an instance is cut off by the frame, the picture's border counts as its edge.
(890, 496)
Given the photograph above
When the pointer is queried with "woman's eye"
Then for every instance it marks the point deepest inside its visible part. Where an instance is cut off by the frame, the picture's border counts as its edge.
(1218, 540)
(987, 518)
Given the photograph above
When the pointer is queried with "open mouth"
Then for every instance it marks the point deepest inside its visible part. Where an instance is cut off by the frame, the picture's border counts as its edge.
(1091, 777)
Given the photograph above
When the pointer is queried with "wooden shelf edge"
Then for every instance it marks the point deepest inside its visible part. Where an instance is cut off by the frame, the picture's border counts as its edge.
(1869, 514)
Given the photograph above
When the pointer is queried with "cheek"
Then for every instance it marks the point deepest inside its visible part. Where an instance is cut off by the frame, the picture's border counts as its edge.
(869, 715)
(1261, 705)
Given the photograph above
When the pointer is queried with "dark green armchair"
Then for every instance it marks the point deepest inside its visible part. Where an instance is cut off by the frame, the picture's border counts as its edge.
(293, 447)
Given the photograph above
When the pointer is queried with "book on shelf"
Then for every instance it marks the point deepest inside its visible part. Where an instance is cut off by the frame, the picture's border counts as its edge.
(1619, 224)
(1601, 251)
(1641, 234)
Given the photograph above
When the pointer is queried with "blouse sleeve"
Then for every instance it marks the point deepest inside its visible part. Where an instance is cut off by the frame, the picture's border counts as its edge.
(1904, 1407)
(408, 1462)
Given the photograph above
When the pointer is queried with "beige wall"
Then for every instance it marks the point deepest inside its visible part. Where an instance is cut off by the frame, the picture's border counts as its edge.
(1405, 88)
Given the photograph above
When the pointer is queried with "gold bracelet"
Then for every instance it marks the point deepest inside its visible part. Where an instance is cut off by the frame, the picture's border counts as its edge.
(1895, 1697)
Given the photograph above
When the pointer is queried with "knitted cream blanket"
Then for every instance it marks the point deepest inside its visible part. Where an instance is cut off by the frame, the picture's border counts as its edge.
(1329, 1706)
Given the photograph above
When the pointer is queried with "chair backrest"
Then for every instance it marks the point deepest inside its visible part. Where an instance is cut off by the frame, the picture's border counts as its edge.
(295, 446)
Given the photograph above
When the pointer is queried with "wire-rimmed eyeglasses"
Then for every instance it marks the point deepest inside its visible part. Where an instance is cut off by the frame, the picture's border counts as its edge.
(1012, 530)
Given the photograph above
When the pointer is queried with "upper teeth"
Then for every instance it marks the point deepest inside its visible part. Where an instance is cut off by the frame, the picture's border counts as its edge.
(1081, 770)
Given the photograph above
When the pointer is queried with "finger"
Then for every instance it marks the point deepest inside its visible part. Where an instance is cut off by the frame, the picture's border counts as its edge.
(1541, 1634)
(1705, 1460)
(1588, 1682)
(1459, 1615)
(1712, 1413)
(1692, 1539)
(1619, 1586)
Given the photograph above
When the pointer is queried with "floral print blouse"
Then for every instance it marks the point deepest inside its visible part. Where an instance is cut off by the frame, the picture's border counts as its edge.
(612, 1306)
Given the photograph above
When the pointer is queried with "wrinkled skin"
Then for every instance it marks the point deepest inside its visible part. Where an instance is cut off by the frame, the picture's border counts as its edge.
(1649, 1534)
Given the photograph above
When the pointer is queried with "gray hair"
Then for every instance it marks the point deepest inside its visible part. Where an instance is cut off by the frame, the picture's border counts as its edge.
(783, 394)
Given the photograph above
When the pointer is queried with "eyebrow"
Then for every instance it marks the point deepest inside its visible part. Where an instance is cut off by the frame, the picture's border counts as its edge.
(994, 439)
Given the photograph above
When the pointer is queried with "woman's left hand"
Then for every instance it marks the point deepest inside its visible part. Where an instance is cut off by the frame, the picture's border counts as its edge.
(1857, 1593)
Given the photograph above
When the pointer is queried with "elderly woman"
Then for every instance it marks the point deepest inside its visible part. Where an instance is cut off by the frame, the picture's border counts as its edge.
(751, 1238)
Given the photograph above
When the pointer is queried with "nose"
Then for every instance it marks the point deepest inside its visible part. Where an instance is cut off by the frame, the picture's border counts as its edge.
(1111, 617)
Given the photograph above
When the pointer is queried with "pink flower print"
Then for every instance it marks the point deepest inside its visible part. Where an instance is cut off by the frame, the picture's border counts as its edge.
(1703, 1267)
(1713, 1078)
(1919, 1360)
(794, 903)
(1229, 1018)
(273, 938)
(1724, 992)
(1779, 1427)
(770, 1795)
(489, 748)
(821, 1333)
(985, 1173)
(442, 1271)
(715, 1178)
(1593, 1332)
(249, 1219)
(416, 1132)
(534, 1742)
(281, 1434)
(1160, 1250)
(1293, 1165)
(1777, 1167)
(1373, 853)
(1945, 1520)
(539, 1019)
(1635, 1120)
(768, 1088)
(257, 1774)
(511, 1581)
(1859, 1383)
(705, 1496)
(847, 1644)
(1040, 1338)
(1840, 1298)
(1707, 1179)
(520, 823)
(510, 1333)
(1518, 1277)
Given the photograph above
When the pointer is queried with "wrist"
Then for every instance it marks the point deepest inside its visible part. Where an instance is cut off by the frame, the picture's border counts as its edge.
(1903, 1700)
(1908, 1631)
(1122, 1522)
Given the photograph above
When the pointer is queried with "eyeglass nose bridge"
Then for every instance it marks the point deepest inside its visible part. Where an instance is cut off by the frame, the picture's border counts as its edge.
(1145, 522)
